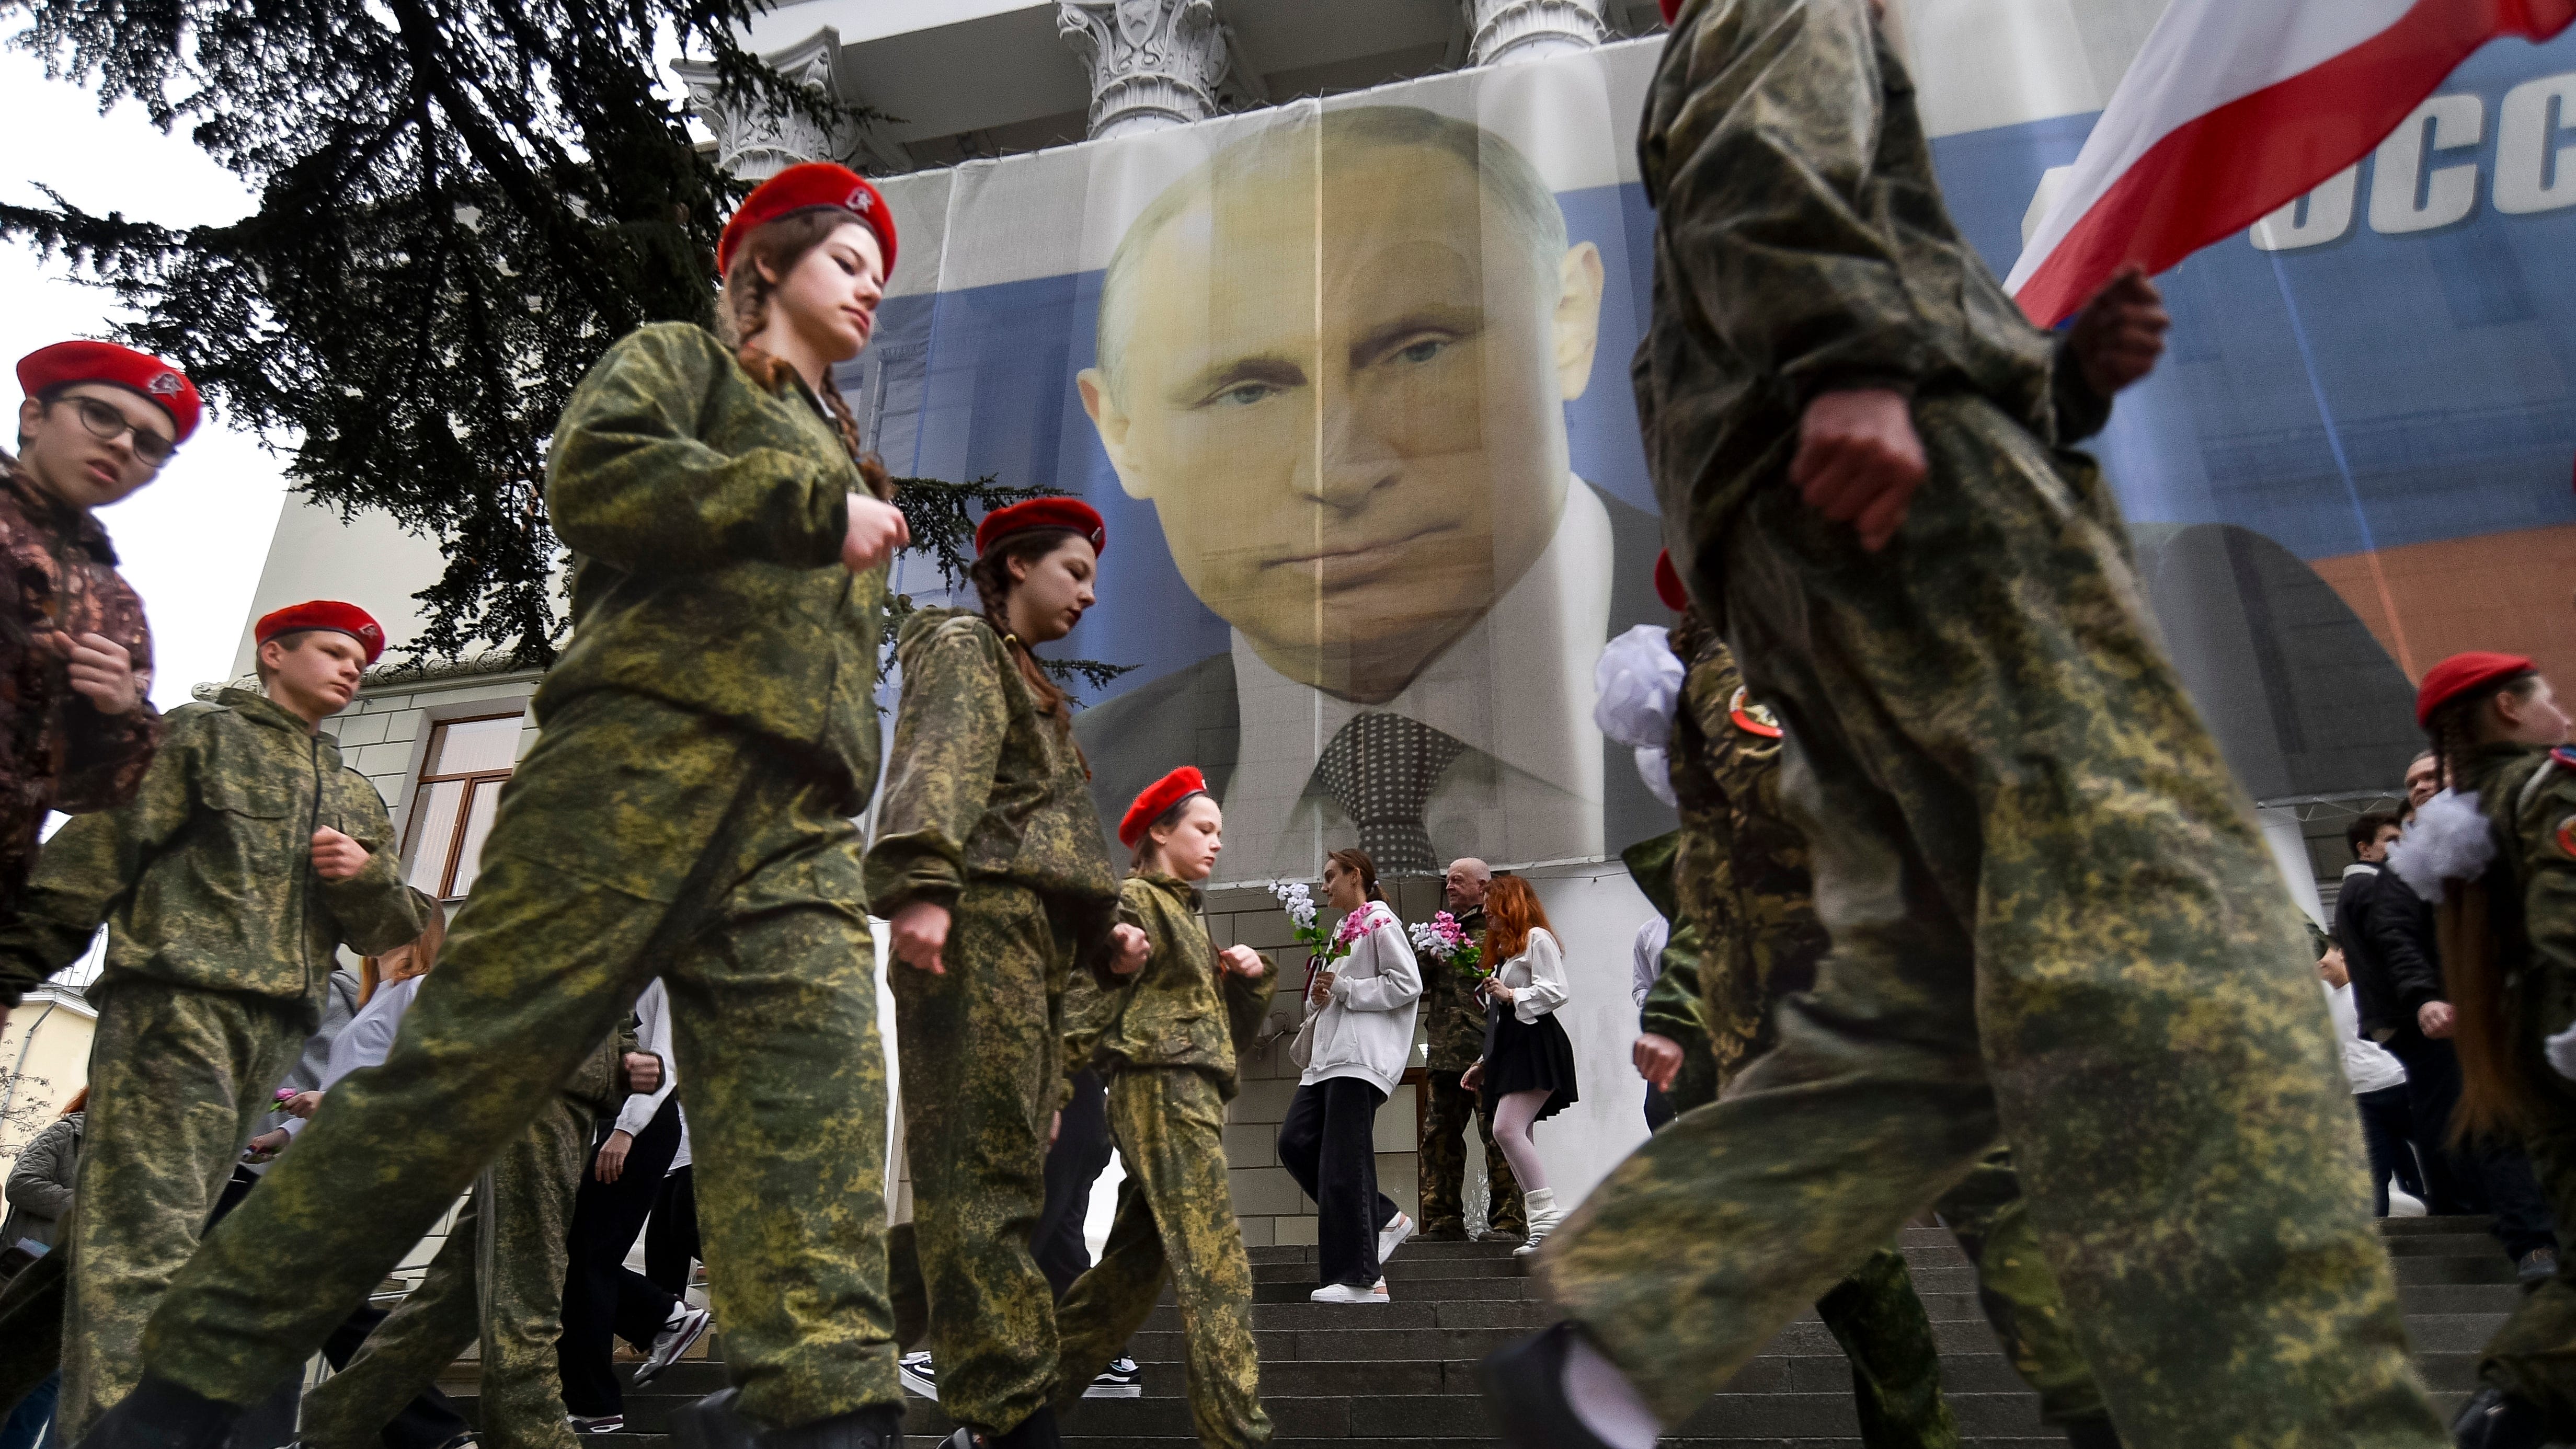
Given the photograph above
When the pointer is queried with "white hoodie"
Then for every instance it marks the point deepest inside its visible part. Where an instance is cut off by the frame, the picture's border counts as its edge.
(1367, 1028)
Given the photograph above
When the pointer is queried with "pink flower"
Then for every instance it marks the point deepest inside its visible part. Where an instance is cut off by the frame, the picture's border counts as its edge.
(286, 1094)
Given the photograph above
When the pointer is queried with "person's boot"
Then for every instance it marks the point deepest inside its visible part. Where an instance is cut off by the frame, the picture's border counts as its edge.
(159, 1414)
(716, 1422)
(2498, 1420)
(1540, 1204)
(1037, 1431)
(1525, 1399)
(2092, 1432)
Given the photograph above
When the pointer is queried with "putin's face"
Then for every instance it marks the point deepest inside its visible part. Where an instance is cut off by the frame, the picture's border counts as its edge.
(1345, 398)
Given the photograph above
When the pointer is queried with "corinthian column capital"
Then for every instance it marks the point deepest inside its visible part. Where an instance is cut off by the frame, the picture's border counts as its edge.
(1502, 31)
(754, 141)
(1154, 63)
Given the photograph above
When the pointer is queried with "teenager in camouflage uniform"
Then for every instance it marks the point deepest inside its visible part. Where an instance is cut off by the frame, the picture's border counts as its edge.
(1168, 1041)
(2508, 936)
(77, 727)
(2053, 919)
(227, 883)
(989, 866)
(1754, 883)
(708, 734)
(498, 1278)
(1454, 1019)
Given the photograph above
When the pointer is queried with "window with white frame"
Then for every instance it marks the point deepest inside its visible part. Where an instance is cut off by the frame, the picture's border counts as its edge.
(452, 806)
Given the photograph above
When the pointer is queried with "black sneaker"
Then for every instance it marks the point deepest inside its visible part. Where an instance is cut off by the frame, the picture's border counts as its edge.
(1118, 1381)
(2497, 1420)
(599, 1424)
(1038, 1431)
(1525, 1393)
(2537, 1266)
(917, 1374)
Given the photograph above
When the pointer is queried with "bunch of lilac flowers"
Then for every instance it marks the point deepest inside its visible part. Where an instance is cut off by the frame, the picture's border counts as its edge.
(1445, 941)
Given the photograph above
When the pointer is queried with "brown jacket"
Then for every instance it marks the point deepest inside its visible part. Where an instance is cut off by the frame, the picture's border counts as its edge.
(57, 752)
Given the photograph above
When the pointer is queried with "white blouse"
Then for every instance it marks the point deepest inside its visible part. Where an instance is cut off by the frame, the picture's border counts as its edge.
(1536, 976)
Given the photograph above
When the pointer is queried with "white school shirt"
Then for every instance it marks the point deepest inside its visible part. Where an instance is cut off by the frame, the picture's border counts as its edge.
(652, 1034)
(1536, 976)
(2367, 1064)
(1652, 937)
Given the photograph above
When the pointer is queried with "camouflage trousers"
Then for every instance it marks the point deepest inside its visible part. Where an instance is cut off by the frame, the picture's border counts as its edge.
(499, 1278)
(1175, 1213)
(179, 1080)
(2533, 1356)
(2053, 922)
(981, 1076)
(1986, 1212)
(1874, 1314)
(635, 840)
(1444, 1164)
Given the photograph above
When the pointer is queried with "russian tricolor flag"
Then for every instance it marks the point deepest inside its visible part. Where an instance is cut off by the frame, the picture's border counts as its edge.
(2237, 107)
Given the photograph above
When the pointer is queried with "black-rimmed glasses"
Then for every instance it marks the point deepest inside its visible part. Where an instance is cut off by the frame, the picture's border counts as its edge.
(107, 425)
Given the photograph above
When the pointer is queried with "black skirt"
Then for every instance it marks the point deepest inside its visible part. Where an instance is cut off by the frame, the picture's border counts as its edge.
(1532, 1058)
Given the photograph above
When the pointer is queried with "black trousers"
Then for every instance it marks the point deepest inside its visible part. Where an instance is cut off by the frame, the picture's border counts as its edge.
(1081, 1153)
(2496, 1180)
(601, 1295)
(671, 1234)
(2387, 1130)
(1329, 1145)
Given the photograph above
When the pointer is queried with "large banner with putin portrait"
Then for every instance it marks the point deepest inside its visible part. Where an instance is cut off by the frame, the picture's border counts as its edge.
(1348, 380)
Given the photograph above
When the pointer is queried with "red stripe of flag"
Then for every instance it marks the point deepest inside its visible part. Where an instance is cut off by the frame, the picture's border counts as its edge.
(2223, 171)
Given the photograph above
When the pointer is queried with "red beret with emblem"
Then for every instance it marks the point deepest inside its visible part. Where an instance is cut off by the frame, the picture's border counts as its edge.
(2460, 674)
(1067, 513)
(804, 187)
(166, 387)
(328, 614)
(1668, 584)
(1160, 796)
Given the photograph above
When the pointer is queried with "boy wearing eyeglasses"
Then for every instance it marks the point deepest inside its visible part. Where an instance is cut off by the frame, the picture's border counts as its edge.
(77, 727)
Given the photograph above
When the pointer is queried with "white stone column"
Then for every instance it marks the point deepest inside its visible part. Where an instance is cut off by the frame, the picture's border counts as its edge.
(752, 141)
(1154, 63)
(1502, 31)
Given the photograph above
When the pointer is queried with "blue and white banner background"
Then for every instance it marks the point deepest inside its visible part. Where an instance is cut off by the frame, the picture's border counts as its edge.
(2356, 459)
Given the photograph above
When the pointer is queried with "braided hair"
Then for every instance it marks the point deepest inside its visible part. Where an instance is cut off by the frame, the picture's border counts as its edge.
(991, 575)
(765, 257)
(2499, 1060)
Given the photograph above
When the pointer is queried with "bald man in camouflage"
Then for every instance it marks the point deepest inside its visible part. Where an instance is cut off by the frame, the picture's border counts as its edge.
(2053, 918)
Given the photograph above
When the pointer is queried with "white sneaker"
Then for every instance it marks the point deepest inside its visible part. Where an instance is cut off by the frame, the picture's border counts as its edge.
(676, 1338)
(1392, 1236)
(918, 1375)
(1121, 1380)
(1344, 1293)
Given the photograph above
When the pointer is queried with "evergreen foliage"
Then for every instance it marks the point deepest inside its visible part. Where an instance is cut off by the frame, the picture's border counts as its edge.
(461, 204)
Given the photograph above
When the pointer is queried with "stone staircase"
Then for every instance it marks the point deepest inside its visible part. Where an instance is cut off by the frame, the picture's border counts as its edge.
(1403, 1376)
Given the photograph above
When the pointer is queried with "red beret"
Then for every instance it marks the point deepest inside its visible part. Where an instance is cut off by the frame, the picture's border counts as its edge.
(165, 386)
(1065, 513)
(801, 188)
(1668, 584)
(2460, 674)
(328, 614)
(1160, 796)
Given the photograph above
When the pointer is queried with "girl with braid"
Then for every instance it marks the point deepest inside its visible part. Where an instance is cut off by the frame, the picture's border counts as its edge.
(988, 863)
(708, 734)
(2495, 851)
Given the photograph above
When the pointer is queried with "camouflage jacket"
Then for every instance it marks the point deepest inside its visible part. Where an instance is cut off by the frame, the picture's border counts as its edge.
(705, 515)
(1672, 1008)
(1802, 247)
(205, 878)
(1741, 874)
(57, 752)
(985, 785)
(2529, 796)
(1452, 1017)
(1182, 1009)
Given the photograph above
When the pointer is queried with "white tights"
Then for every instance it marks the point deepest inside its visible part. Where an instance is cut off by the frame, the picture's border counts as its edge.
(1515, 1119)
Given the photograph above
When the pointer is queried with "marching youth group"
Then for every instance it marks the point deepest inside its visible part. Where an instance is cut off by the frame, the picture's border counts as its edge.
(1966, 914)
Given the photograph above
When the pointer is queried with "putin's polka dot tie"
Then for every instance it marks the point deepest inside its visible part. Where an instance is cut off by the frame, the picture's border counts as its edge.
(1380, 768)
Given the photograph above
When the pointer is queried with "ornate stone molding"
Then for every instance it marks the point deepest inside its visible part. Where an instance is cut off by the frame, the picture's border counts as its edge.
(1502, 31)
(756, 143)
(1154, 63)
